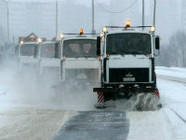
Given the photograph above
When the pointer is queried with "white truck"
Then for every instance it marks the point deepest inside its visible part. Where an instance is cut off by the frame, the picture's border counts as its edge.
(49, 57)
(127, 65)
(80, 64)
(27, 53)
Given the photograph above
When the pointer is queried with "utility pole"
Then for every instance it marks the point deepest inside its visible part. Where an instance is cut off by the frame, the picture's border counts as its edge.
(56, 18)
(154, 16)
(183, 55)
(8, 21)
(143, 13)
(93, 29)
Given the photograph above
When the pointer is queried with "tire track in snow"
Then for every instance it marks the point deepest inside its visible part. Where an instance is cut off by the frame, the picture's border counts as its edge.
(95, 125)
(179, 116)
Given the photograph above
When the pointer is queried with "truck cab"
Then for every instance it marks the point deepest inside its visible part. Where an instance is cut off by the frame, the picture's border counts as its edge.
(127, 62)
(128, 59)
(80, 64)
(27, 55)
(49, 57)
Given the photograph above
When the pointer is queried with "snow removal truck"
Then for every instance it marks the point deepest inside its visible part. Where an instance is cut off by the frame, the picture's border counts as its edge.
(128, 65)
(27, 52)
(80, 65)
(50, 57)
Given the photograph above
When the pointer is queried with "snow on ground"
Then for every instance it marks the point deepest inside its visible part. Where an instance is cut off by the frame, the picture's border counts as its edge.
(173, 91)
(31, 124)
(31, 109)
(163, 124)
(150, 125)
(172, 73)
(26, 113)
(172, 86)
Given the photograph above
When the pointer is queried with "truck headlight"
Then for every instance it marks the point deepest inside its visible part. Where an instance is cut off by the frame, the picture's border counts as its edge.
(105, 30)
(152, 29)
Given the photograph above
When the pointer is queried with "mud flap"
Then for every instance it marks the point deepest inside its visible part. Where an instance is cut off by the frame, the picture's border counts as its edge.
(157, 93)
(101, 102)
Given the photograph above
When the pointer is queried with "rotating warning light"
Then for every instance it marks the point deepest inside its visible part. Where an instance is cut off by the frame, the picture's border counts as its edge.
(128, 23)
(32, 39)
(81, 31)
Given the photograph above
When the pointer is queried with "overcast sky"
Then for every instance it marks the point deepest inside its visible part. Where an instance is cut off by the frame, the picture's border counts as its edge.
(89, 2)
(86, 2)
(108, 14)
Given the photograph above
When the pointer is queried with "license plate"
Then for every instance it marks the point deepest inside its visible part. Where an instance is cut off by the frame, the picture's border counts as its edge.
(81, 76)
(129, 79)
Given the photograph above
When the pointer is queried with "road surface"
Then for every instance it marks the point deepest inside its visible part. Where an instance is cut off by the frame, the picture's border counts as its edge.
(54, 117)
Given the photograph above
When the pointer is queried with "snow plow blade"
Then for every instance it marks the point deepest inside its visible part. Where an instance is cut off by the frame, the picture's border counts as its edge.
(136, 99)
(124, 90)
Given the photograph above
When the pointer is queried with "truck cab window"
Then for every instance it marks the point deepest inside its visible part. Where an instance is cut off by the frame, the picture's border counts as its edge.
(130, 43)
(48, 51)
(79, 48)
(28, 50)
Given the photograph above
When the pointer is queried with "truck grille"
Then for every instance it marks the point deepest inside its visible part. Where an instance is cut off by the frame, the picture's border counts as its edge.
(82, 74)
(125, 75)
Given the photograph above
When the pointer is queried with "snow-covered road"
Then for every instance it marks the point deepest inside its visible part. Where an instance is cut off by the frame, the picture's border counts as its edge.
(163, 124)
(23, 116)
(31, 124)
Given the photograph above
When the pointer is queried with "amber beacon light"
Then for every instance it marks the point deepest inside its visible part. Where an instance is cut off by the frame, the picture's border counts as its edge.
(128, 23)
(81, 31)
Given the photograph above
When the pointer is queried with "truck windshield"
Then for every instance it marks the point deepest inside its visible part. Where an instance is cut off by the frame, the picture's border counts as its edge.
(128, 43)
(47, 50)
(28, 50)
(79, 48)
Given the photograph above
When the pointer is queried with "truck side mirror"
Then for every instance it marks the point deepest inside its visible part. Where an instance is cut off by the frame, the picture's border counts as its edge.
(98, 51)
(157, 42)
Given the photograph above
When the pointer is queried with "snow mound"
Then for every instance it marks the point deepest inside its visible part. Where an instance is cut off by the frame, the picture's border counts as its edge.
(137, 102)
